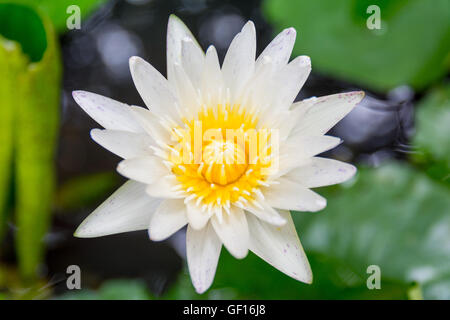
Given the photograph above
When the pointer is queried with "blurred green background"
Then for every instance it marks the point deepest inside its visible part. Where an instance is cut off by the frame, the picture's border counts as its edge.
(395, 213)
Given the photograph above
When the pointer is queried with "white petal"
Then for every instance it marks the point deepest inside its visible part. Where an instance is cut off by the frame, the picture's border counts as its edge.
(167, 219)
(266, 213)
(164, 188)
(192, 60)
(202, 250)
(196, 216)
(280, 247)
(153, 87)
(176, 33)
(289, 80)
(127, 209)
(109, 113)
(327, 111)
(212, 80)
(293, 116)
(239, 62)
(291, 195)
(151, 124)
(275, 94)
(233, 232)
(123, 143)
(298, 149)
(319, 172)
(259, 91)
(189, 100)
(280, 49)
(308, 146)
(146, 169)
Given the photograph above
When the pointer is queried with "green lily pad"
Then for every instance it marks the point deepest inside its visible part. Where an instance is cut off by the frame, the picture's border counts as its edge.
(432, 140)
(412, 47)
(392, 217)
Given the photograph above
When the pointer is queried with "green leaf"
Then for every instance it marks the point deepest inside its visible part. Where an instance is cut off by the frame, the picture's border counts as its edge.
(31, 105)
(412, 47)
(33, 46)
(56, 10)
(432, 139)
(10, 76)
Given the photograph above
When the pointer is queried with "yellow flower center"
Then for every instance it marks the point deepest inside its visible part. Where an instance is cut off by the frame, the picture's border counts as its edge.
(221, 157)
(224, 162)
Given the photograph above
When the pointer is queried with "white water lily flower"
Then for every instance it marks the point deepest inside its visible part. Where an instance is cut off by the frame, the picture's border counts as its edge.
(243, 203)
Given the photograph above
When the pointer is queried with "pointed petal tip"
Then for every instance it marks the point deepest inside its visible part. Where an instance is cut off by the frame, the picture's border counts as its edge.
(353, 170)
(83, 231)
(133, 60)
(173, 17)
(321, 203)
(80, 233)
(78, 95)
(355, 96)
(76, 234)
(150, 234)
(309, 280)
(121, 168)
(290, 31)
(361, 94)
(307, 276)
(94, 133)
(211, 49)
(239, 254)
(305, 60)
(200, 289)
(175, 20)
(302, 277)
(249, 24)
(154, 238)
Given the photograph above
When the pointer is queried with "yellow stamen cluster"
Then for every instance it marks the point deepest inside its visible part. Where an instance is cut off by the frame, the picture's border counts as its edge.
(221, 158)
